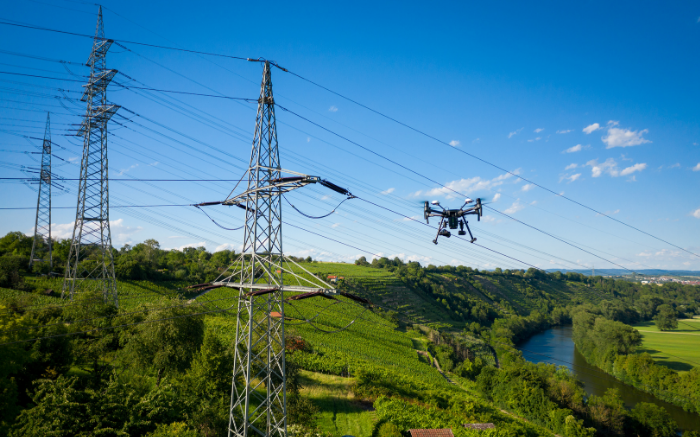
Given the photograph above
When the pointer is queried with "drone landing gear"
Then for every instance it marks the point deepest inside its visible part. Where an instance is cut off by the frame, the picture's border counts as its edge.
(462, 224)
(442, 231)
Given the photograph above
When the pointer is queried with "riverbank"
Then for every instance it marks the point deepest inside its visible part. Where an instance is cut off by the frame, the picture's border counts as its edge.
(556, 346)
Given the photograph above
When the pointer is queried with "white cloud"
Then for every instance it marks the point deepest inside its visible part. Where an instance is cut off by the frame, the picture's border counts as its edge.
(496, 197)
(333, 109)
(696, 213)
(325, 197)
(195, 245)
(476, 140)
(516, 132)
(120, 231)
(597, 170)
(534, 139)
(515, 207)
(225, 246)
(573, 177)
(571, 166)
(335, 225)
(153, 164)
(623, 137)
(576, 148)
(528, 187)
(697, 167)
(538, 130)
(388, 191)
(308, 139)
(127, 170)
(564, 131)
(454, 143)
(591, 128)
(610, 167)
(632, 169)
(466, 186)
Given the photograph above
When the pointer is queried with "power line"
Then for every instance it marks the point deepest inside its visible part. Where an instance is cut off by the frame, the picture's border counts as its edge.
(482, 160)
(27, 26)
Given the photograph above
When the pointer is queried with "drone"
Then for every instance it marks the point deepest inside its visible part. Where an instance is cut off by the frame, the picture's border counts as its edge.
(452, 218)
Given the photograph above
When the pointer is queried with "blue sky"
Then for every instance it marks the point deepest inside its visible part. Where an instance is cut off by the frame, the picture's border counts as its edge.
(598, 101)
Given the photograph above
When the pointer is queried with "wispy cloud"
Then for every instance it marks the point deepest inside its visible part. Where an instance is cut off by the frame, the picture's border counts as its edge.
(225, 246)
(573, 177)
(696, 213)
(333, 109)
(618, 137)
(335, 225)
(571, 166)
(697, 167)
(528, 187)
(466, 186)
(127, 170)
(496, 197)
(564, 131)
(632, 169)
(534, 139)
(515, 207)
(454, 143)
(591, 128)
(576, 148)
(388, 191)
(515, 132)
(195, 245)
(538, 130)
(610, 167)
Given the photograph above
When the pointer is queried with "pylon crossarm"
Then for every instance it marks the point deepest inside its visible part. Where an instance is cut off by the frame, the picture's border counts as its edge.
(289, 288)
(275, 188)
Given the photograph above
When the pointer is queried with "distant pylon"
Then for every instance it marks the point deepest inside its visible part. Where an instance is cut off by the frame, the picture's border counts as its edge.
(41, 247)
(90, 264)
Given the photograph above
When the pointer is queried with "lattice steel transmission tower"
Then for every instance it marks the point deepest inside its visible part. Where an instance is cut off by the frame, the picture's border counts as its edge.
(90, 264)
(41, 247)
(258, 394)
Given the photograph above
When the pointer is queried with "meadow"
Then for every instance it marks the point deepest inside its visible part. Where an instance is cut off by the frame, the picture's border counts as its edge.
(677, 349)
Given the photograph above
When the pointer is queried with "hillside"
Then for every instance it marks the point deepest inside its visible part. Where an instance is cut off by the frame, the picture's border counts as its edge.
(431, 350)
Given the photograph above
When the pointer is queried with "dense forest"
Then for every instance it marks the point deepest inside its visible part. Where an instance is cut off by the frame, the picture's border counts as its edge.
(160, 364)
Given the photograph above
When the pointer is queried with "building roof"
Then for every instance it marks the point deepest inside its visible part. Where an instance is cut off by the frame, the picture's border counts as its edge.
(446, 432)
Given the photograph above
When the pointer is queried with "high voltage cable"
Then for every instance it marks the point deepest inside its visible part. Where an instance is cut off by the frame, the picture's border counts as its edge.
(482, 160)
(93, 37)
(370, 109)
(135, 87)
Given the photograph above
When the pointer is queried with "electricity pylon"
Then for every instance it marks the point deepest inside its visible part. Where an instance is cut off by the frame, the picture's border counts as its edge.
(41, 247)
(258, 393)
(90, 264)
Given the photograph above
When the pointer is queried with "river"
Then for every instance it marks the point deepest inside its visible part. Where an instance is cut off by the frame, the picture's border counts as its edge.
(556, 346)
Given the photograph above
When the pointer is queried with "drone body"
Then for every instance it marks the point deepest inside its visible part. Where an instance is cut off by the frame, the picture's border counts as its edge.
(453, 218)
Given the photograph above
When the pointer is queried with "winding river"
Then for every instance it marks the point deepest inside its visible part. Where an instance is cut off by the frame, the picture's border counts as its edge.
(556, 346)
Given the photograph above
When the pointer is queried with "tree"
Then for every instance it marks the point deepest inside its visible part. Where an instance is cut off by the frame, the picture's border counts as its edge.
(652, 421)
(14, 356)
(168, 338)
(615, 336)
(361, 261)
(666, 319)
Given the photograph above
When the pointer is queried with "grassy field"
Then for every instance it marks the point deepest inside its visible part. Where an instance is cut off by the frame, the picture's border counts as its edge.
(678, 349)
(339, 413)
